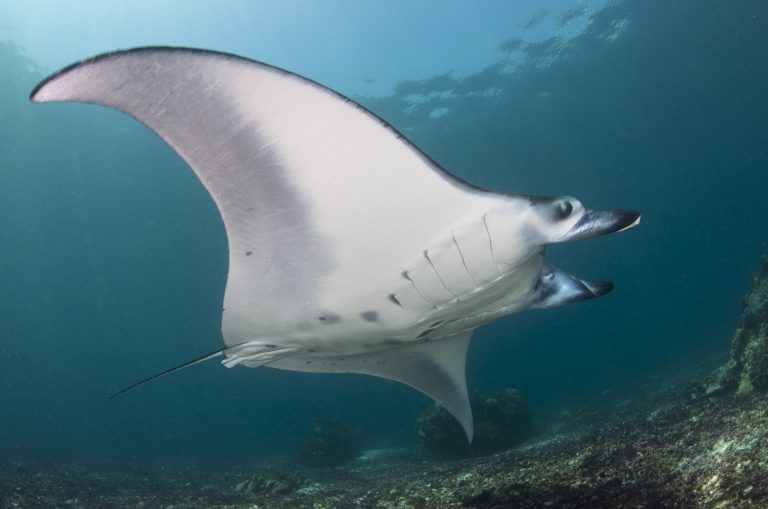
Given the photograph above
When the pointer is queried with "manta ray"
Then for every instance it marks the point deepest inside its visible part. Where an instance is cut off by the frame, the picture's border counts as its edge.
(350, 250)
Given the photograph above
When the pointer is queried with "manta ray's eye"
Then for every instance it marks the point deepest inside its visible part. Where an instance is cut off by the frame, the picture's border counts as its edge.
(563, 209)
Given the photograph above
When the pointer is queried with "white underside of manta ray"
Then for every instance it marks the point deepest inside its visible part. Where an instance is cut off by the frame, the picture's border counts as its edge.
(349, 249)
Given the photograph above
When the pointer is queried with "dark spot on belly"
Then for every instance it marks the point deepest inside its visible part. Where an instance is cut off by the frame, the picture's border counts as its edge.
(370, 316)
(308, 362)
(329, 318)
(248, 253)
(271, 346)
(394, 300)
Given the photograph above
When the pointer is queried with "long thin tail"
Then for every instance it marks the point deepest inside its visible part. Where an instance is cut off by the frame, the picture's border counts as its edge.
(187, 364)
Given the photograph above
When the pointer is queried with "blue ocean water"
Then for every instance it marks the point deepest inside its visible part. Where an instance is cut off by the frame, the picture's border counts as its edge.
(113, 257)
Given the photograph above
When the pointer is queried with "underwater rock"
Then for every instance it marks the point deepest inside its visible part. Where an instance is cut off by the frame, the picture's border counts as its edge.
(747, 369)
(501, 421)
(273, 483)
(331, 444)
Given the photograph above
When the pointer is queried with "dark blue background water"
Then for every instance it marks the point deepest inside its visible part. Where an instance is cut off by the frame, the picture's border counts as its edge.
(113, 258)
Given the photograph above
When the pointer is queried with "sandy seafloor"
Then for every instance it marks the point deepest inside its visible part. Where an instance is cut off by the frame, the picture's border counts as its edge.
(640, 446)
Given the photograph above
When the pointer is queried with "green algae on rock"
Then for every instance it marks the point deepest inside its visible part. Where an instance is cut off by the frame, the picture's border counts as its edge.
(747, 369)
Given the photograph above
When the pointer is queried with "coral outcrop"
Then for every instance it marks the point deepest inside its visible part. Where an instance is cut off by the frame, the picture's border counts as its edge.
(501, 421)
(747, 369)
(331, 444)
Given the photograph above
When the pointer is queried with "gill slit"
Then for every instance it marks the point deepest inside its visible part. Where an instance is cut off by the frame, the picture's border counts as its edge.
(413, 284)
(463, 261)
(429, 260)
(490, 243)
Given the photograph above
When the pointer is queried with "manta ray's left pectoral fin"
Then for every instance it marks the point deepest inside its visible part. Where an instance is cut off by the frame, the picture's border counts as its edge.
(557, 288)
(436, 368)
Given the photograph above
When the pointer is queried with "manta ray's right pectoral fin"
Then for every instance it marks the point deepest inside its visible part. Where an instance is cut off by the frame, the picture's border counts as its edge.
(557, 288)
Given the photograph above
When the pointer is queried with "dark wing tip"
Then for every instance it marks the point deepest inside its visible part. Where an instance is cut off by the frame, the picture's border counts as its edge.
(33, 95)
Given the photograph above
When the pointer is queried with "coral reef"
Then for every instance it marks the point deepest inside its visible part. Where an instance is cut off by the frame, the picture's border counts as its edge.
(501, 421)
(747, 369)
(330, 444)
